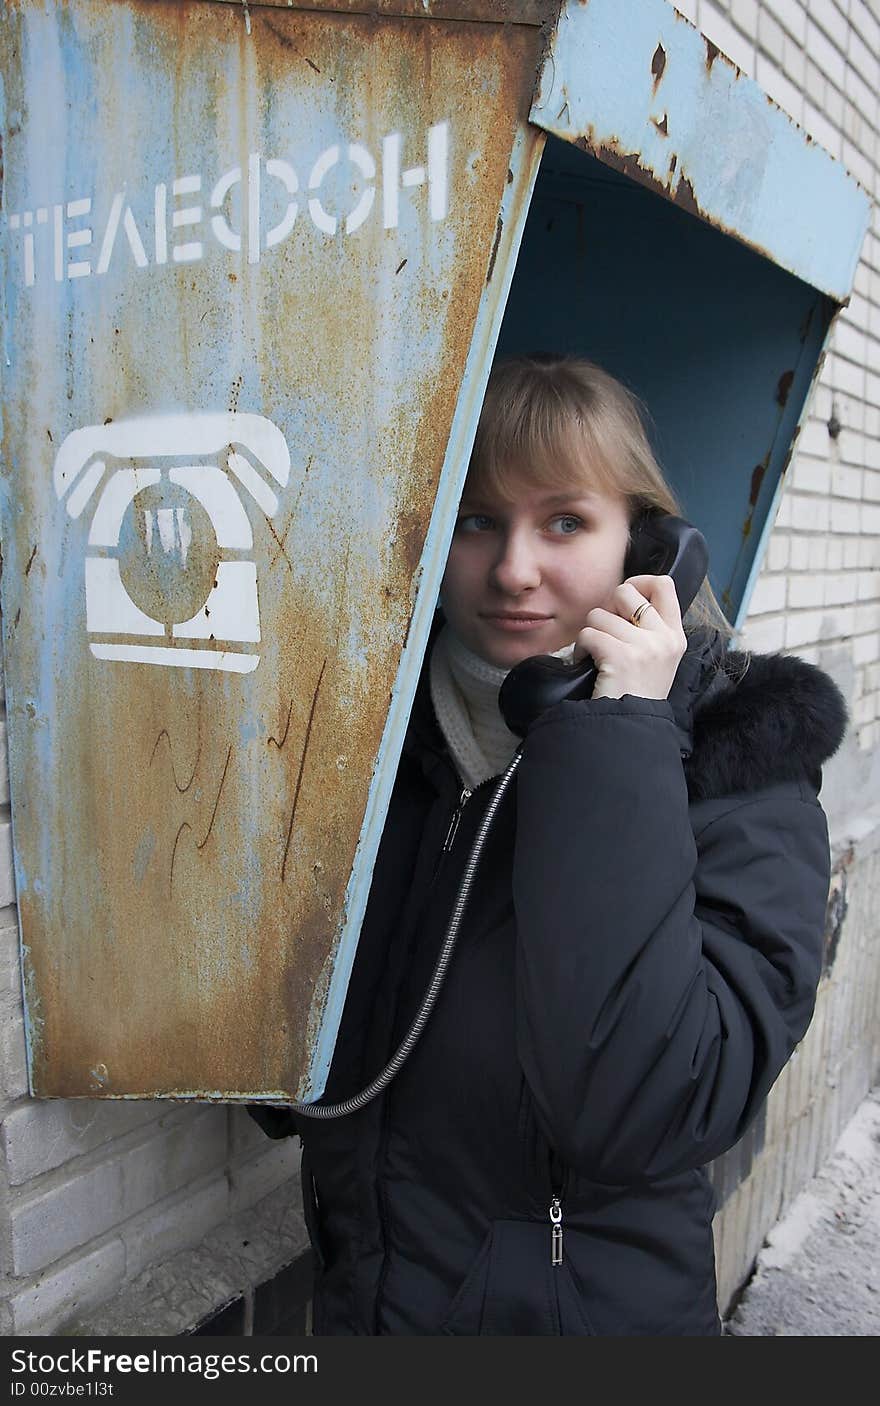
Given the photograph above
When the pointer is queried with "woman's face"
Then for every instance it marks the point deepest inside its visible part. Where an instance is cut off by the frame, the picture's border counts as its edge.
(522, 577)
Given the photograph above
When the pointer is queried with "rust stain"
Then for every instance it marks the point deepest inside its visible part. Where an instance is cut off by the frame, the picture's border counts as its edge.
(287, 43)
(685, 197)
(758, 473)
(784, 387)
(682, 194)
(662, 124)
(280, 34)
(411, 538)
(498, 12)
(658, 65)
(302, 763)
(499, 230)
(807, 323)
(27, 570)
(712, 52)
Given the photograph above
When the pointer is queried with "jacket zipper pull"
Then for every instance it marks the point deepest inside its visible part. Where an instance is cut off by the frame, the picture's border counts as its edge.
(555, 1231)
(456, 817)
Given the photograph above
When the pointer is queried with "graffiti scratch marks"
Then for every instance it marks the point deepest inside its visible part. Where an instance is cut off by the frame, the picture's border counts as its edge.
(202, 843)
(185, 825)
(302, 763)
(280, 741)
(181, 789)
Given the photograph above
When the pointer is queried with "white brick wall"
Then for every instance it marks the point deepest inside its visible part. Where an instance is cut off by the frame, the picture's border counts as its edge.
(38, 1137)
(831, 505)
(73, 1288)
(819, 589)
(64, 1211)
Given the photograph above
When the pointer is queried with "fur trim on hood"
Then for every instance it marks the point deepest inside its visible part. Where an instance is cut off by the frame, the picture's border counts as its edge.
(764, 718)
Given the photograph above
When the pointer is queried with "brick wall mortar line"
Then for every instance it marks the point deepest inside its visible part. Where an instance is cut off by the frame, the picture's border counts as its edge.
(115, 1147)
(96, 1157)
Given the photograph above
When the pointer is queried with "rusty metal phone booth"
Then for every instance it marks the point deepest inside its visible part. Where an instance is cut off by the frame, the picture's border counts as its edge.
(255, 264)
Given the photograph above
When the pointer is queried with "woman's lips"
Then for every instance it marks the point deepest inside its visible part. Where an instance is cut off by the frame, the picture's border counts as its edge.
(516, 624)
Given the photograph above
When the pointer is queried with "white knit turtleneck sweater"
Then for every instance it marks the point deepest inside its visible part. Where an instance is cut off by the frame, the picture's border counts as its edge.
(464, 691)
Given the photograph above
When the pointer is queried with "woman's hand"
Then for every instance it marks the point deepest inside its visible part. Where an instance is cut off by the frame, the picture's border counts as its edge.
(637, 659)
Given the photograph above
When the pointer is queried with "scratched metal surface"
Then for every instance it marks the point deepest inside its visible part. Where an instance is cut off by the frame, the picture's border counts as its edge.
(640, 88)
(245, 256)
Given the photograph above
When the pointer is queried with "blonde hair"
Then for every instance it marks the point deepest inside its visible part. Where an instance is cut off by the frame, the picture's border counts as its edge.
(561, 420)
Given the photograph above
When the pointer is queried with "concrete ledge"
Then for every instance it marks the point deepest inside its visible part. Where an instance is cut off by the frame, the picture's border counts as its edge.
(170, 1299)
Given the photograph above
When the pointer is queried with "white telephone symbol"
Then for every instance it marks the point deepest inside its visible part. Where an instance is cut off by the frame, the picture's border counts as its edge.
(206, 566)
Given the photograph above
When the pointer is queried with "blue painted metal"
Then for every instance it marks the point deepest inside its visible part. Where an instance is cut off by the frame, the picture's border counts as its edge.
(639, 87)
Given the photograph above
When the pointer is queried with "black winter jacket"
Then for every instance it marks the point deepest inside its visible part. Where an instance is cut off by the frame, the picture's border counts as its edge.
(638, 959)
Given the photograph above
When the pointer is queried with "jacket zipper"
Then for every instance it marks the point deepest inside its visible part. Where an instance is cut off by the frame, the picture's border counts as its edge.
(558, 1186)
(555, 1231)
(454, 823)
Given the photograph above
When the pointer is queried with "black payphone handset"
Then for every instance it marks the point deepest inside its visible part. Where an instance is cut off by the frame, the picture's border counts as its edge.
(661, 545)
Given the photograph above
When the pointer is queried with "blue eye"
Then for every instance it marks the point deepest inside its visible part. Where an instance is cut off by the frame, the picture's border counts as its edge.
(567, 524)
(475, 522)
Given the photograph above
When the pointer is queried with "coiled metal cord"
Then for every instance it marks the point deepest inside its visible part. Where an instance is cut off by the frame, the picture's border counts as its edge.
(407, 1045)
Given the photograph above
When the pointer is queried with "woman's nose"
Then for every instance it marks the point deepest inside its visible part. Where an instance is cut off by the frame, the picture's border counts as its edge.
(516, 567)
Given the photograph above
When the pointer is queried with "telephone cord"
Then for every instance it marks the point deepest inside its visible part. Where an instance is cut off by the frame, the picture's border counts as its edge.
(407, 1045)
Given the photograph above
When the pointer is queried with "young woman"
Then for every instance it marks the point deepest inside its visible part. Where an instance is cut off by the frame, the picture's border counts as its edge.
(640, 952)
